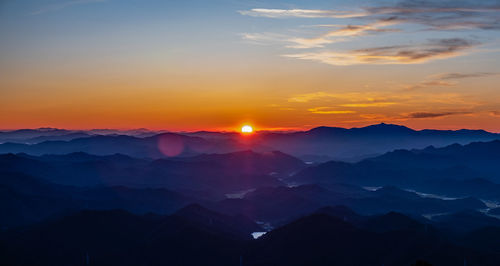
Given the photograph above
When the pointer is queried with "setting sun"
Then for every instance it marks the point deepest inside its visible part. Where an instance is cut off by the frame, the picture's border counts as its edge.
(246, 129)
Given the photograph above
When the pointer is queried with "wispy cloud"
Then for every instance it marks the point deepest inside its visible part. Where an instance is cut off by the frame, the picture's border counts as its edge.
(438, 14)
(325, 110)
(264, 38)
(381, 99)
(435, 15)
(299, 13)
(430, 83)
(343, 33)
(447, 79)
(434, 115)
(398, 54)
(307, 97)
(368, 104)
(447, 76)
(441, 14)
(345, 100)
(62, 5)
(495, 113)
(353, 107)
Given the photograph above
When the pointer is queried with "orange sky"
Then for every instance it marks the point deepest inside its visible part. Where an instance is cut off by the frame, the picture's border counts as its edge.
(82, 66)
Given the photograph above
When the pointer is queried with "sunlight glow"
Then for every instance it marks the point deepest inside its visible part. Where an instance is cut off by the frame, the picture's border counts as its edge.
(246, 129)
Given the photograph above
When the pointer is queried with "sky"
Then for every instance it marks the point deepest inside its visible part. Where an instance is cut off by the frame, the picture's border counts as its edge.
(277, 65)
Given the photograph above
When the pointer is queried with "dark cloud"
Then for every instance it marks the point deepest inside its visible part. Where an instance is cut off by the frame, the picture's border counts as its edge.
(447, 79)
(396, 54)
(441, 14)
(431, 14)
(466, 75)
(433, 115)
(409, 53)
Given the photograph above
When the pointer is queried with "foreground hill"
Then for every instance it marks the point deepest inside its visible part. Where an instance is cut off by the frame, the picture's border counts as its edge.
(196, 236)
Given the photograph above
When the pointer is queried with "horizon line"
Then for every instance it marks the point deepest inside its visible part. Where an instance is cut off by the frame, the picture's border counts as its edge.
(263, 130)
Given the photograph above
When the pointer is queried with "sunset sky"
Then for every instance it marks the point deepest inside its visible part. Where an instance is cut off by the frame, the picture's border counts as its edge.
(214, 65)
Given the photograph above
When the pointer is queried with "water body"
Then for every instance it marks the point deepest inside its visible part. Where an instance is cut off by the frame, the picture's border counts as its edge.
(256, 235)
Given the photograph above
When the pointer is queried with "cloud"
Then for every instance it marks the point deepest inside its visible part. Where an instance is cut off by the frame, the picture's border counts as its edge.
(436, 14)
(446, 76)
(299, 13)
(383, 99)
(307, 97)
(441, 14)
(397, 54)
(369, 104)
(386, 105)
(353, 99)
(495, 113)
(56, 7)
(264, 38)
(341, 34)
(433, 115)
(445, 79)
(329, 111)
(430, 83)
(345, 100)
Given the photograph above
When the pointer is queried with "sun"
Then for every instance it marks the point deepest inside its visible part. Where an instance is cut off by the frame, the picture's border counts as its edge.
(246, 129)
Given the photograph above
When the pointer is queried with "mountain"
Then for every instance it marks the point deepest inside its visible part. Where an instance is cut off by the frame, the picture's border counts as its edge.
(238, 227)
(198, 236)
(21, 135)
(116, 237)
(480, 157)
(465, 221)
(485, 238)
(28, 200)
(280, 205)
(224, 173)
(321, 239)
(274, 162)
(167, 144)
(33, 136)
(495, 211)
(317, 144)
(453, 171)
(349, 144)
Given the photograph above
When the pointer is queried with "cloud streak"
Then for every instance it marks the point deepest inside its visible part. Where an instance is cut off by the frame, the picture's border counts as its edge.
(343, 33)
(329, 111)
(398, 54)
(299, 13)
(419, 115)
(447, 79)
(435, 15)
(447, 76)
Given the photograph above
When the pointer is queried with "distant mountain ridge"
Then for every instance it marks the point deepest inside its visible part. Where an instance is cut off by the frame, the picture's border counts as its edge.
(320, 143)
(455, 170)
(223, 173)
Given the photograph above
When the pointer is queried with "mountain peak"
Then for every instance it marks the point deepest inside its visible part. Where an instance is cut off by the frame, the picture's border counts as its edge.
(388, 127)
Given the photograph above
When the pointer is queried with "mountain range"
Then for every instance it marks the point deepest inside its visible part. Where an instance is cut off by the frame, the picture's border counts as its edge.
(318, 144)
(378, 195)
